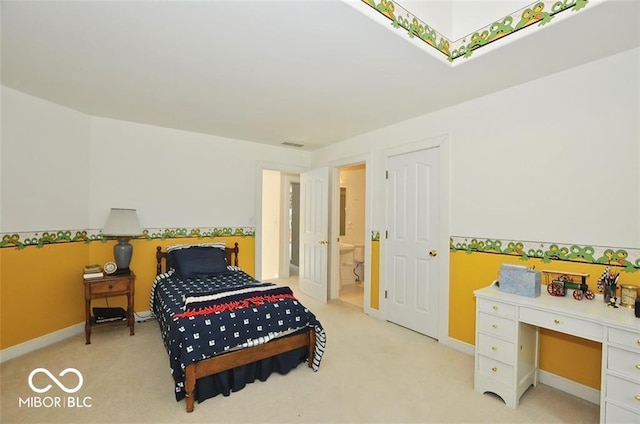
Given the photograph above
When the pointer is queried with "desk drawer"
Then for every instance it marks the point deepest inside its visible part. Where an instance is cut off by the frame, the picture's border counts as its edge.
(106, 287)
(562, 323)
(623, 392)
(495, 348)
(625, 338)
(625, 362)
(497, 308)
(497, 326)
(495, 369)
(616, 414)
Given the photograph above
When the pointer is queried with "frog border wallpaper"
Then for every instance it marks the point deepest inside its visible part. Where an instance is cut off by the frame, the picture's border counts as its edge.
(41, 239)
(627, 259)
(540, 13)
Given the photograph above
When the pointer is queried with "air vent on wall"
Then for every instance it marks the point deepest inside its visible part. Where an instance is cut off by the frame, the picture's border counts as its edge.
(289, 143)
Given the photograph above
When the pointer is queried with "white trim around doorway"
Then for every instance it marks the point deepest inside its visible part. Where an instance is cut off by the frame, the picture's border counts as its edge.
(334, 226)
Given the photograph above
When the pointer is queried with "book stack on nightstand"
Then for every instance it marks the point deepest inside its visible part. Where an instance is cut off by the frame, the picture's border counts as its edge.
(93, 271)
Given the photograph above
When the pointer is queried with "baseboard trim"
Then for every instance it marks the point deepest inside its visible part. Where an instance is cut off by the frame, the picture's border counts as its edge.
(55, 337)
(552, 380)
(576, 389)
(40, 342)
(459, 346)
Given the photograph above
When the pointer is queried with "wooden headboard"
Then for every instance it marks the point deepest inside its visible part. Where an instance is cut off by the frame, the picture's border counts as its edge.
(232, 257)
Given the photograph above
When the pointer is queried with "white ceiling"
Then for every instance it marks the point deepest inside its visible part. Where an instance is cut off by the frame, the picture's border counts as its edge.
(311, 72)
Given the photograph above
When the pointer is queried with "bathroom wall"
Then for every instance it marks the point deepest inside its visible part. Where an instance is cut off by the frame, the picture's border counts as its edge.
(353, 179)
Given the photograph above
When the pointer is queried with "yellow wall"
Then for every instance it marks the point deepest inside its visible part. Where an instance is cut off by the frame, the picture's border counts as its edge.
(42, 292)
(567, 356)
(41, 289)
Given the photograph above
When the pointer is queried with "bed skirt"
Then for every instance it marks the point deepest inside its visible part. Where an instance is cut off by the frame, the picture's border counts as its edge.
(236, 379)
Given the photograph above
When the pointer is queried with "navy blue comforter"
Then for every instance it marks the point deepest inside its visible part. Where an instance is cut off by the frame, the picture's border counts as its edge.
(211, 315)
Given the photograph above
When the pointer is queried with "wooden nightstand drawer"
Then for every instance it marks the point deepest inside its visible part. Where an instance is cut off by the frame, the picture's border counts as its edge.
(108, 287)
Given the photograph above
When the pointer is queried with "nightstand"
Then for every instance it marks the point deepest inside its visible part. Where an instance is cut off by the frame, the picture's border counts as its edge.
(107, 286)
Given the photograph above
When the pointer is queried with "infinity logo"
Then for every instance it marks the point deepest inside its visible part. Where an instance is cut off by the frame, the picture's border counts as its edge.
(55, 380)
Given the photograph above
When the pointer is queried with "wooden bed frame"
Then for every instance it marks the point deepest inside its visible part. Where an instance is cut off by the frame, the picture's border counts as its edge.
(242, 357)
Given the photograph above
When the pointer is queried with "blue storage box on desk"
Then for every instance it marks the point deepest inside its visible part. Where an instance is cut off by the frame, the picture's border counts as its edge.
(517, 279)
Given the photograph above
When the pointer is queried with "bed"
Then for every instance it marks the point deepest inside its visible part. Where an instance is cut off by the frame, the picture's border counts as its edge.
(222, 328)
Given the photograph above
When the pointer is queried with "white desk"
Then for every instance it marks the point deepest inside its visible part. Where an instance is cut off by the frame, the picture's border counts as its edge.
(506, 354)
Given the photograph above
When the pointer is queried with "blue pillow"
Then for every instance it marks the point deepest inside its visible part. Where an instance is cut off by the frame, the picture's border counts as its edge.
(196, 261)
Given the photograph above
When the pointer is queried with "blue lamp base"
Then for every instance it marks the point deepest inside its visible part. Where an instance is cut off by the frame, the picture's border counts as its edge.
(122, 253)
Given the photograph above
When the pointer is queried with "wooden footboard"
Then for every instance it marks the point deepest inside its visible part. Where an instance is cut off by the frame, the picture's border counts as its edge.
(243, 357)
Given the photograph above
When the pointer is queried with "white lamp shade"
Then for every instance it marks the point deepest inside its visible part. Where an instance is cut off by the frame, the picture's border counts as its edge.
(122, 222)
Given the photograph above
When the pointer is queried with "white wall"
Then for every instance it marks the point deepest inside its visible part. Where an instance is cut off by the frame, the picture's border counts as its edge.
(177, 178)
(45, 165)
(354, 179)
(61, 169)
(554, 159)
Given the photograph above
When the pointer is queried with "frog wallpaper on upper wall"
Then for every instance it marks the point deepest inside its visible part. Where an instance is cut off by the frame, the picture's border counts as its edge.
(540, 13)
(39, 239)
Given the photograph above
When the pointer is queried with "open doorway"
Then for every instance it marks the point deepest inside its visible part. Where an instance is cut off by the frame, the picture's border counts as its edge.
(352, 211)
(278, 239)
(294, 227)
(279, 229)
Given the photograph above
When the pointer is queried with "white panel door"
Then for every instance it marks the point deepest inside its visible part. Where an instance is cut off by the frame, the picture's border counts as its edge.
(314, 233)
(412, 241)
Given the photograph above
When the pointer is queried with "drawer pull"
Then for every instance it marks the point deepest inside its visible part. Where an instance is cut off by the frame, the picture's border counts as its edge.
(638, 342)
(494, 347)
(494, 369)
(495, 308)
(638, 366)
(495, 326)
(110, 286)
(637, 397)
(557, 321)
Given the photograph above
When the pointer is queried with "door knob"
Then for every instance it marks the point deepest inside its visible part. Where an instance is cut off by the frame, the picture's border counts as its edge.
(433, 253)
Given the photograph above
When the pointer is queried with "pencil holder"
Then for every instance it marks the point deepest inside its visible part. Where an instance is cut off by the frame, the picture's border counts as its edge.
(609, 292)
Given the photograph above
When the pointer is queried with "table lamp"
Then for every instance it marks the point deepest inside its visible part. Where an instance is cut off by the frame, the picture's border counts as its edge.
(122, 224)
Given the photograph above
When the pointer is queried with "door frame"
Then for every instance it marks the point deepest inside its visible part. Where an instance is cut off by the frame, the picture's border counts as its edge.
(334, 226)
(257, 218)
(441, 142)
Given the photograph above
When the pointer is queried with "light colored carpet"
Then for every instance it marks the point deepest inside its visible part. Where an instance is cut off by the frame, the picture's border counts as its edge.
(353, 294)
(372, 372)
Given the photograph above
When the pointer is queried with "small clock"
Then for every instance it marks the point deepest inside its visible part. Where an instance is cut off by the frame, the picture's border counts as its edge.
(110, 267)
